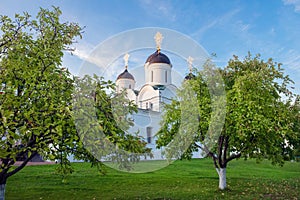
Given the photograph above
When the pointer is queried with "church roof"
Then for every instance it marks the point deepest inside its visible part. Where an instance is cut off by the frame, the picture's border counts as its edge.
(158, 57)
(189, 76)
(125, 75)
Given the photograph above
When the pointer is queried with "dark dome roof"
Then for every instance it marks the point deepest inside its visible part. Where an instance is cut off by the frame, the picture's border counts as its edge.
(189, 76)
(126, 75)
(158, 57)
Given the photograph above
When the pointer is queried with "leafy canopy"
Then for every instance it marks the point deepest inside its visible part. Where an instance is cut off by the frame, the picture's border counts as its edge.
(261, 113)
(35, 91)
(37, 97)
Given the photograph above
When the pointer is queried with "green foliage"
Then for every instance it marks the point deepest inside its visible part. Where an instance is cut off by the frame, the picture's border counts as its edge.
(262, 114)
(102, 118)
(36, 92)
(185, 121)
(36, 96)
(294, 153)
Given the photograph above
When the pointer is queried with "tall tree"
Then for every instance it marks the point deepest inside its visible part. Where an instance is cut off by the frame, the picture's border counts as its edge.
(36, 95)
(35, 91)
(259, 121)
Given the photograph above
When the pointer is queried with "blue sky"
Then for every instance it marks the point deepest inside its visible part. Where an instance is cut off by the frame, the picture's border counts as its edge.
(268, 27)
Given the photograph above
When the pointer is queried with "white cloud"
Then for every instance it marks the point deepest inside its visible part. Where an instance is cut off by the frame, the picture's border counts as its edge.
(83, 50)
(159, 9)
(92, 62)
(242, 27)
(105, 62)
(291, 59)
(203, 29)
(295, 3)
(223, 20)
(228, 16)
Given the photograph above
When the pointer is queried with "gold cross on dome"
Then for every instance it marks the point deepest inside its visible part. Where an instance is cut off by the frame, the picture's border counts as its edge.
(126, 58)
(158, 39)
(190, 62)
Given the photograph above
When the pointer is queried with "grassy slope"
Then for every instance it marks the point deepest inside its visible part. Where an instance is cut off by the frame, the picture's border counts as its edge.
(196, 179)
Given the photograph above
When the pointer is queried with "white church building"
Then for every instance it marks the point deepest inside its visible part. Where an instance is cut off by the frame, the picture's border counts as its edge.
(151, 97)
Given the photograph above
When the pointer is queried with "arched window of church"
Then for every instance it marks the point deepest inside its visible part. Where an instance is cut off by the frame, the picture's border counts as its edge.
(146, 105)
(149, 135)
(129, 86)
(151, 106)
(151, 76)
(166, 76)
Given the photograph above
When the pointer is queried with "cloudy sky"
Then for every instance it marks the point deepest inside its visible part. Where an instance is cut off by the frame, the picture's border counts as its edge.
(268, 27)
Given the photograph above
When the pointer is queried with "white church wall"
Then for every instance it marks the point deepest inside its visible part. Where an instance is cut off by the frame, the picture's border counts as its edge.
(131, 95)
(158, 74)
(145, 120)
(148, 98)
(125, 83)
(147, 123)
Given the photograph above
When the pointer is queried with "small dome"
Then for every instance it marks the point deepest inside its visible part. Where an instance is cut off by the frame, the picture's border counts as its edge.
(189, 76)
(158, 57)
(125, 75)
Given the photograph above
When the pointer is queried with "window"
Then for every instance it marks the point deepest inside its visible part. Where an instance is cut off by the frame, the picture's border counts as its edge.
(129, 86)
(146, 105)
(151, 106)
(151, 76)
(149, 135)
(166, 76)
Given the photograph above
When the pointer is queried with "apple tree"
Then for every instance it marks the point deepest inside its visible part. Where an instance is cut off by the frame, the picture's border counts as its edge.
(38, 98)
(260, 109)
(35, 90)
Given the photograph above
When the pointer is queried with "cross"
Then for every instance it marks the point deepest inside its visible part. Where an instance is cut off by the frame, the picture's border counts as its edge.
(126, 58)
(190, 62)
(158, 39)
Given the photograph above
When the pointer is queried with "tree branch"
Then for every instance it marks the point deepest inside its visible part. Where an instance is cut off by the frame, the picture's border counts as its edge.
(233, 156)
(220, 147)
(226, 145)
(22, 165)
(209, 153)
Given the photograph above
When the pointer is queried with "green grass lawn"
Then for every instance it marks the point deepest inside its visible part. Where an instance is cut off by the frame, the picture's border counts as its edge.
(196, 179)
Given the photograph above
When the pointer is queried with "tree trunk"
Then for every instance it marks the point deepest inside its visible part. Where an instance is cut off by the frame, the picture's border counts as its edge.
(222, 178)
(2, 191)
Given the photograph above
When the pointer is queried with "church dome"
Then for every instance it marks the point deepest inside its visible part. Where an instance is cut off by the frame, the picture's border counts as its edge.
(125, 75)
(189, 76)
(158, 57)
